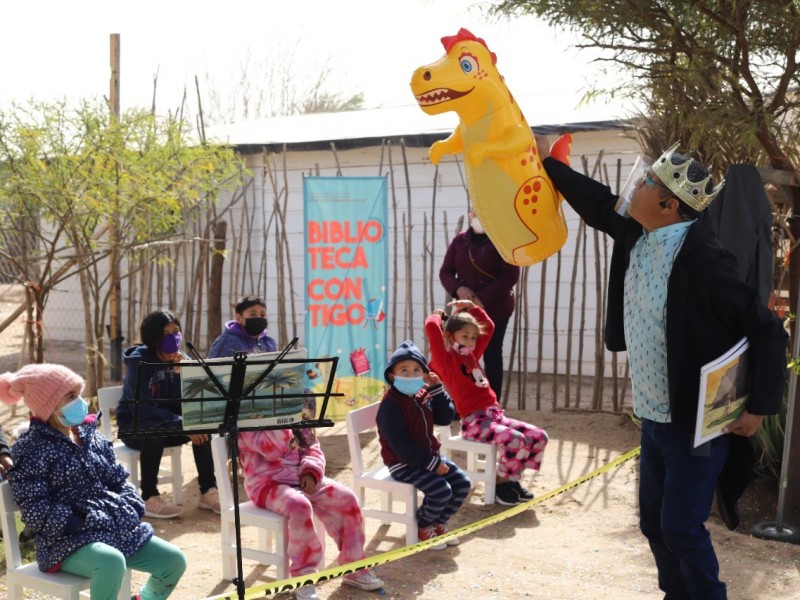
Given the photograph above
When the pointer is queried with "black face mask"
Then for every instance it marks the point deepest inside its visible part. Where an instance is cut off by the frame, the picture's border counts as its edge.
(255, 325)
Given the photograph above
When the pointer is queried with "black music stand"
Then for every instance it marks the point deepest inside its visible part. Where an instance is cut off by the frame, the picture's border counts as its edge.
(228, 426)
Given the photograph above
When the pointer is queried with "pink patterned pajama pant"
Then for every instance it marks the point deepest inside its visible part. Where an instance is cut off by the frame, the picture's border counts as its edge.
(335, 505)
(520, 445)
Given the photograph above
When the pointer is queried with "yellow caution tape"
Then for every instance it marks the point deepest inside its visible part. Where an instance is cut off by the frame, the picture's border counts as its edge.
(286, 585)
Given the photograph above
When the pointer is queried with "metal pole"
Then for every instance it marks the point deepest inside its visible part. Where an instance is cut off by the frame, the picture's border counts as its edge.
(778, 530)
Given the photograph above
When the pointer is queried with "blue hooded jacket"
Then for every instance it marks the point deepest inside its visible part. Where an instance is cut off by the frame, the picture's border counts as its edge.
(159, 382)
(71, 495)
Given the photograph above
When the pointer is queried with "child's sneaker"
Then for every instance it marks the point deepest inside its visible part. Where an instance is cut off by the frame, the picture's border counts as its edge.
(307, 592)
(506, 495)
(210, 500)
(158, 508)
(524, 494)
(441, 529)
(363, 579)
(427, 533)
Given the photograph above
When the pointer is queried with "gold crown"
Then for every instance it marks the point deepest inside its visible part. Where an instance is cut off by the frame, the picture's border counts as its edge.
(676, 178)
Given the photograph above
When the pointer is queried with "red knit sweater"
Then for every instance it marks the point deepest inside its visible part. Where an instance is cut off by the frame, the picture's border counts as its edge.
(459, 373)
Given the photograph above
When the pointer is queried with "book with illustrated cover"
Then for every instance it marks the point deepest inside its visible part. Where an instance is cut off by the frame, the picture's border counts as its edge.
(724, 390)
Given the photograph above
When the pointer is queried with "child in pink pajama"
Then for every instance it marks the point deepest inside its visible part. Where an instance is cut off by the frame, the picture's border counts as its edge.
(456, 346)
(284, 471)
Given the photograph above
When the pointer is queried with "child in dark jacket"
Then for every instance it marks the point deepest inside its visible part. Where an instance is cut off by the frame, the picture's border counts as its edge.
(410, 407)
(5, 455)
(160, 408)
(74, 496)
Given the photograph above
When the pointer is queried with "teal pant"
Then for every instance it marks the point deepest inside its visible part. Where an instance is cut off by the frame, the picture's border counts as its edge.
(105, 566)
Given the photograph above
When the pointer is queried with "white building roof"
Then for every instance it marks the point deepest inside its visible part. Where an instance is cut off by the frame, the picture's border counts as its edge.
(376, 123)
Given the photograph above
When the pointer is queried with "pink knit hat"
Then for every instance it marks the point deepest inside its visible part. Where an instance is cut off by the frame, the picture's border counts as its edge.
(40, 386)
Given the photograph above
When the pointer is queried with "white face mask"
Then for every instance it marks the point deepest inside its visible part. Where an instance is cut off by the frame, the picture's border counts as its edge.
(476, 225)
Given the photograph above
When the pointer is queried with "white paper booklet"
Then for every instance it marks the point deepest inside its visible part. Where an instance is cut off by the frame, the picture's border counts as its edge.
(724, 390)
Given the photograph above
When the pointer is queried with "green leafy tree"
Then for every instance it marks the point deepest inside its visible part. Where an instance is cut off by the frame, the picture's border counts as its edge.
(720, 76)
(76, 184)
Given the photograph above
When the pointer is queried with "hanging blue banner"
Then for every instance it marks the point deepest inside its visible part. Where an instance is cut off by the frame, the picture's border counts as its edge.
(346, 277)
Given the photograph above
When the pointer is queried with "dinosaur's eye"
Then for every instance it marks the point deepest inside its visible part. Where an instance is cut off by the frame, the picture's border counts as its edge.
(468, 63)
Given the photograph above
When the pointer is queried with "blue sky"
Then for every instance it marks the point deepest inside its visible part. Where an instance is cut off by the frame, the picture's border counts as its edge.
(53, 49)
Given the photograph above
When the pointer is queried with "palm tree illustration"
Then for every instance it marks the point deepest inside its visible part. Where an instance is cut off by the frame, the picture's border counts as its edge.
(282, 379)
(201, 387)
(249, 379)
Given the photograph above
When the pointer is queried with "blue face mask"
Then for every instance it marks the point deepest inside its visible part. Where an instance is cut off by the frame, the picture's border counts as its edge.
(408, 385)
(73, 413)
(170, 343)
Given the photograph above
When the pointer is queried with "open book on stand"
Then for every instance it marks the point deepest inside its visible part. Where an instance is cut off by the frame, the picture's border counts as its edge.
(724, 390)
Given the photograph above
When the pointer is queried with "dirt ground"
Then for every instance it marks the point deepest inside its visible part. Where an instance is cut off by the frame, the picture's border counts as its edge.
(581, 544)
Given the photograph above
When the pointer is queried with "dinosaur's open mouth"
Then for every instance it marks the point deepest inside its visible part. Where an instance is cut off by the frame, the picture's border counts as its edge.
(440, 95)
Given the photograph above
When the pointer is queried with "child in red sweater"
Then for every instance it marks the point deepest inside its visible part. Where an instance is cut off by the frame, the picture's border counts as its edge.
(457, 344)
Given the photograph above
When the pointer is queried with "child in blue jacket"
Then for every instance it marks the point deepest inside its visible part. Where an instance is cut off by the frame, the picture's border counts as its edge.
(74, 496)
(410, 407)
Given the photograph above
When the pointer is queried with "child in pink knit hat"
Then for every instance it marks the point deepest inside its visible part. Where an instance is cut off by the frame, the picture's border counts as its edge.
(74, 496)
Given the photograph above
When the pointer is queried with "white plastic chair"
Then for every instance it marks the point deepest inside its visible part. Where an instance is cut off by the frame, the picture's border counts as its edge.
(21, 576)
(481, 459)
(108, 398)
(361, 420)
(273, 528)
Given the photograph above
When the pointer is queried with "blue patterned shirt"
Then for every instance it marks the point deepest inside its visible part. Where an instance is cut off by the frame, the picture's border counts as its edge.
(646, 283)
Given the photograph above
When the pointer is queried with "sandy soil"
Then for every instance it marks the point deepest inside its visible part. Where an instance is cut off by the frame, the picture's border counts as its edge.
(581, 544)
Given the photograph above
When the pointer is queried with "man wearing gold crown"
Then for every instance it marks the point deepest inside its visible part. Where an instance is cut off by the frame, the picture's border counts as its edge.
(675, 303)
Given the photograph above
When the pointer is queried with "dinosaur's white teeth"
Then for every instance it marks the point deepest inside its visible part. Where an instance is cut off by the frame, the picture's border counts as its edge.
(440, 95)
(434, 97)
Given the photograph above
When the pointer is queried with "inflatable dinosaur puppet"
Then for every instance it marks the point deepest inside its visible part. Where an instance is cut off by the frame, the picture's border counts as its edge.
(510, 191)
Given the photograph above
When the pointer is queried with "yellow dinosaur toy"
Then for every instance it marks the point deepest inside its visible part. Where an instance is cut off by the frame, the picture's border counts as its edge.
(511, 194)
